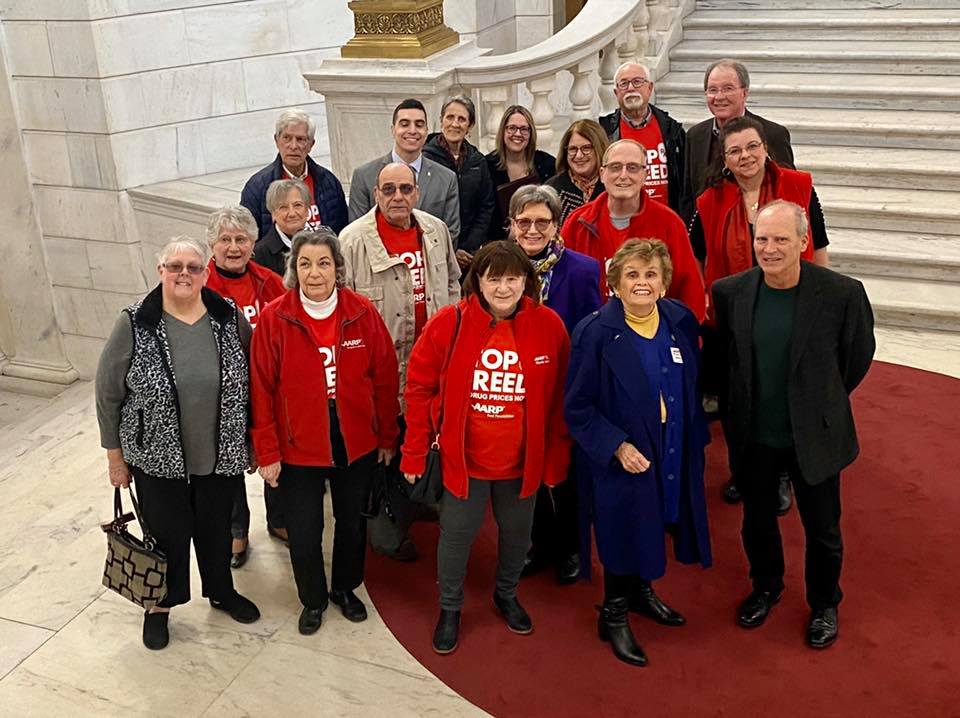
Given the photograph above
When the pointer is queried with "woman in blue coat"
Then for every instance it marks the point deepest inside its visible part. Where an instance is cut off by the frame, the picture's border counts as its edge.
(633, 406)
(565, 288)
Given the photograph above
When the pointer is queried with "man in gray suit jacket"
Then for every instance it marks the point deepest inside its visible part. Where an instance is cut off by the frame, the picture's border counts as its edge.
(437, 185)
(796, 340)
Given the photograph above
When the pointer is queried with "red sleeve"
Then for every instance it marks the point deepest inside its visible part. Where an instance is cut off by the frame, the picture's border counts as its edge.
(571, 238)
(687, 283)
(423, 386)
(558, 438)
(264, 380)
(385, 374)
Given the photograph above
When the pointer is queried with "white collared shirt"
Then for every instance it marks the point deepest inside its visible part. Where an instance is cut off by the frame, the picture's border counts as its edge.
(415, 165)
(283, 238)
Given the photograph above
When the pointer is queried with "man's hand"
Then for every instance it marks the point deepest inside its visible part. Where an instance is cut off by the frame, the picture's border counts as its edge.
(464, 258)
(271, 473)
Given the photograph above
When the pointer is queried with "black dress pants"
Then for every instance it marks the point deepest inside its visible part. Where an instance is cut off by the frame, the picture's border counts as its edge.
(555, 533)
(819, 509)
(177, 511)
(301, 490)
(240, 520)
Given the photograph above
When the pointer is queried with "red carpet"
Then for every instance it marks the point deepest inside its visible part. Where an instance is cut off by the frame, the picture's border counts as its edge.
(899, 648)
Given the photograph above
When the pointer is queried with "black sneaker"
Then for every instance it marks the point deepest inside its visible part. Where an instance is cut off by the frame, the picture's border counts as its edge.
(447, 632)
(155, 633)
(240, 608)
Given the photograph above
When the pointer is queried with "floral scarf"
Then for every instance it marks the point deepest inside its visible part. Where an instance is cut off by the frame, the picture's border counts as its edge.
(544, 266)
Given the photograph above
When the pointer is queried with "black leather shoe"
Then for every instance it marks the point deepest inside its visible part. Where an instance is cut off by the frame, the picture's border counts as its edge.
(240, 557)
(647, 603)
(406, 552)
(351, 607)
(613, 626)
(240, 608)
(756, 607)
(310, 620)
(533, 564)
(279, 534)
(517, 619)
(568, 569)
(155, 633)
(823, 628)
(731, 494)
(784, 495)
(447, 632)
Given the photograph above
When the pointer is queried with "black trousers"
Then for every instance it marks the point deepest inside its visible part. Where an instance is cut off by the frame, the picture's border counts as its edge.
(819, 509)
(555, 533)
(301, 491)
(177, 511)
(240, 520)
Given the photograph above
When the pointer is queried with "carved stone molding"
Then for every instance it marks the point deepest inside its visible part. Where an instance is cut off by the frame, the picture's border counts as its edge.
(398, 29)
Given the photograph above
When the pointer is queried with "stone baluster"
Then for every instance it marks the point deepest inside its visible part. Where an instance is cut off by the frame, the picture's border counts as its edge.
(608, 67)
(653, 36)
(627, 46)
(581, 93)
(542, 110)
(494, 103)
(641, 22)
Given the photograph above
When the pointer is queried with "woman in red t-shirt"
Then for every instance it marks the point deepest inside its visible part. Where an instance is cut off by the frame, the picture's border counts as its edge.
(496, 362)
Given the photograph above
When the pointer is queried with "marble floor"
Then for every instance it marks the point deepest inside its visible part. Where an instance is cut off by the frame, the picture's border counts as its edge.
(68, 647)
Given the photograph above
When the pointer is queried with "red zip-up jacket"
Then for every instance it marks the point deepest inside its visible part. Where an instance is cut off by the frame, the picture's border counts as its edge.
(544, 349)
(584, 229)
(288, 384)
(267, 285)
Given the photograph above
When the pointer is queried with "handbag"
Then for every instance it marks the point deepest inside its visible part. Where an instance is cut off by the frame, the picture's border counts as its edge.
(429, 487)
(135, 568)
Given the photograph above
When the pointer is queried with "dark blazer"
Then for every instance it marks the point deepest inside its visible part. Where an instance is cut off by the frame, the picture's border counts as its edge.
(702, 145)
(609, 401)
(674, 143)
(544, 165)
(831, 348)
(475, 187)
(574, 288)
(271, 252)
(327, 194)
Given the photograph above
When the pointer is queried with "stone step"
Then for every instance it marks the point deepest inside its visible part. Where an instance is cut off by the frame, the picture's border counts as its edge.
(760, 5)
(903, 255)
(834, 126)
(823, 56)
(823, 24)
(919, 211)
(914, 305)
(939, 93)
(881, 167)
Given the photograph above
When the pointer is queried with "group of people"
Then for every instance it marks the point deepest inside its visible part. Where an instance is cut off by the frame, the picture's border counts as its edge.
(551, 326)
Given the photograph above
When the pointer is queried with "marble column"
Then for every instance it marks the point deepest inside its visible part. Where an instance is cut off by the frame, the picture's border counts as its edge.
(32, 356)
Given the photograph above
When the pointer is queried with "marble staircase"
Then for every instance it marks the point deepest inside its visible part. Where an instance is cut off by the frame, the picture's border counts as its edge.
(870, 90)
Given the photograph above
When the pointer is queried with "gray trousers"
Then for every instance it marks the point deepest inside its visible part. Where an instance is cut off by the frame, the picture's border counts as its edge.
(460, 521)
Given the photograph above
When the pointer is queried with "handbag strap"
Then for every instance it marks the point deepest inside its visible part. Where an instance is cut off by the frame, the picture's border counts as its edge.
(148, 541)
(443, 370)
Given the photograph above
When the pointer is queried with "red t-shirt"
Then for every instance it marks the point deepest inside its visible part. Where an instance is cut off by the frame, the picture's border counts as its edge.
(496, 428)
(243, 293)
(314, 221)
(324, 333)
(651, 138)
(407, 245)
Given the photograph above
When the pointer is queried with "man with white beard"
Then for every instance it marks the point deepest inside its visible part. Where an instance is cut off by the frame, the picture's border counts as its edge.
(636, 119)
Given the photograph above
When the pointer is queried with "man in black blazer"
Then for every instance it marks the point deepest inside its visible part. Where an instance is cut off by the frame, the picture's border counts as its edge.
(796, 340)
(726, 84)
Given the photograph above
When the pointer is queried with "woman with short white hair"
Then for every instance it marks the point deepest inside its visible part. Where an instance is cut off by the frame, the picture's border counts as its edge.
(172, 393)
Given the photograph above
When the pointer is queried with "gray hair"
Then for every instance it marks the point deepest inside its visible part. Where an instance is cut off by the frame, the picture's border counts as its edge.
(295, 116)
(742, 75)
(183, 243)
(279, 189)
(323, 237)
(231, 215)
(629, 63)
(536, 194)
(466, 102)
(799, 214)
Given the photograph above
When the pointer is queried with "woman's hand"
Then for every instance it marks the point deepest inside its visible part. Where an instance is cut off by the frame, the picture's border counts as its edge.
(385, 456)
(631, 459)
(270, 473)
(117, 468)
(411, 478)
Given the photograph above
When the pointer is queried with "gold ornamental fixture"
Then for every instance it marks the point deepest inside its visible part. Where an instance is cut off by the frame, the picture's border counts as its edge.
(408, 29)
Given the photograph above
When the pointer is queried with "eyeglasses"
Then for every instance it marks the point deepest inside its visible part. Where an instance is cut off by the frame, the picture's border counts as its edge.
(725, 90)
(735, 152)
(517, 130)
(632, 168)
(524, 225)
(585, 150)
(389, 190)
(637, 83)
(241, 241)
(177, 267)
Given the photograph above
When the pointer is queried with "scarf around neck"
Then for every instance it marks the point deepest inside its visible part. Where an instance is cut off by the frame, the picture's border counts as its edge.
(545, 264)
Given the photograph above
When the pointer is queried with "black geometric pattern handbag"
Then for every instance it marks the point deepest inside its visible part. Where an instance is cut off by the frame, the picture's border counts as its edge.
(135, 568)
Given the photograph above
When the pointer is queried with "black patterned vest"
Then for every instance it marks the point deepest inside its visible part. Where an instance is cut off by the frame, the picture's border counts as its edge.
(150, 415)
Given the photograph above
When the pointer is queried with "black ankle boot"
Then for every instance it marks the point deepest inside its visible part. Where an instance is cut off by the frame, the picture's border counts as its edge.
(612, 626)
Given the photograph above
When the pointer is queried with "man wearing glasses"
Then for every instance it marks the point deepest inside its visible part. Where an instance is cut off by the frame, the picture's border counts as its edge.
(624, 211)
(726, 84)
(636, 119)
(438, 191)
(403, 260)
